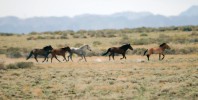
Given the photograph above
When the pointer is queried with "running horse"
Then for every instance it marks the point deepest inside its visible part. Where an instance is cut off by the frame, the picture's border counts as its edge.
(81, 51)
(159, 50)
(61, 52)
(43, 52)
(120, 50)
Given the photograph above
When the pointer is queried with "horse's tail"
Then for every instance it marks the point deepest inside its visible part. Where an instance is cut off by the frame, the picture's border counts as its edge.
(29, 55)
(145, 52)
(106, 52)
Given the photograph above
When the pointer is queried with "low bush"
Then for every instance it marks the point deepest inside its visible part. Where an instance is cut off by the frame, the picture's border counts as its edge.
(13, 52)
(125, 39)
(96, 43)
(143, 41)
(64, 37)
(138, 51)
(143, 34)
(20, 65)
(2, 51)
(2, 66)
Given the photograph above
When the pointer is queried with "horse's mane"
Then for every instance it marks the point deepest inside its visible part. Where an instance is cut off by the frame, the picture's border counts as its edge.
(162, 44)
(46, 47)
(65, 48)
(123, 46)
(83, 46)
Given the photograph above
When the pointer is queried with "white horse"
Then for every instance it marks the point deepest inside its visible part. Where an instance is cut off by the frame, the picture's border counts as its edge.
(79, 51)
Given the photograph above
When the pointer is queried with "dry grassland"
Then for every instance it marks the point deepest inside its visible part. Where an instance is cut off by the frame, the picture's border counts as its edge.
(176, 77)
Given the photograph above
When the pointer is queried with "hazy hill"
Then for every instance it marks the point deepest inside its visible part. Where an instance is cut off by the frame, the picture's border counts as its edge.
(87, 21)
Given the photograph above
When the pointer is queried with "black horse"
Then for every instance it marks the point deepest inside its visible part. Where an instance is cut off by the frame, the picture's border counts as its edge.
(120, 50)
(43, 52)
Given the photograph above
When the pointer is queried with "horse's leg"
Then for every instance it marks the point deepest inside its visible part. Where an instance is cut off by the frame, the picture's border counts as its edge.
(84, 58)
(163, 56)
(70, 56)
(148, 56)
(123, 56)
(44, 59)
(81, 58)
(47, 59)
(64, 57)
(113, 56)
(52, 58)
(57, 58)
(35, 57)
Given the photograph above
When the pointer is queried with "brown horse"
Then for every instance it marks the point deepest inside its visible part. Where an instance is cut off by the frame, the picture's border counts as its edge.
(44, 52)
(159, 50)
(120, 50)
(61, 52)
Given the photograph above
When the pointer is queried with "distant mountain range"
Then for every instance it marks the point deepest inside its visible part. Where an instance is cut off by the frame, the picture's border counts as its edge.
(94, 22)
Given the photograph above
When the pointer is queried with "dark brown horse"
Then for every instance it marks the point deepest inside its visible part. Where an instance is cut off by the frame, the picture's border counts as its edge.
(43, 52)
(159, 50)
(120, 50)
(61, 52)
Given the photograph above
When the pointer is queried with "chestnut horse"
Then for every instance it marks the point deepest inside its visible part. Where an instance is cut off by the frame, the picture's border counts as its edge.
(61, 52)
(159, 50)
(44, 52)
(120, 50)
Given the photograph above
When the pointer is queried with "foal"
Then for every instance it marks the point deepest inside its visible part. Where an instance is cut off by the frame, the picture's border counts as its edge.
(61, 52)
(159, 50)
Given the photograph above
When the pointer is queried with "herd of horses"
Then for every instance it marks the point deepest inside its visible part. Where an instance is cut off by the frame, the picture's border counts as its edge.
(81, 51)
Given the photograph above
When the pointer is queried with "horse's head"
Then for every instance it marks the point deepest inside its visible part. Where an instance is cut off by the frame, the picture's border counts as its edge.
(130, 47)
(88, 47)
(165, 46)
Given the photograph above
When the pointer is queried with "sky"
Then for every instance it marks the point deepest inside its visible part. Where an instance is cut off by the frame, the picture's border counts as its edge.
(59, 8)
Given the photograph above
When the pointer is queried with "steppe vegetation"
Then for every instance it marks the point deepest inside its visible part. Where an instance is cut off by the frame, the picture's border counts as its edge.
(176, 77)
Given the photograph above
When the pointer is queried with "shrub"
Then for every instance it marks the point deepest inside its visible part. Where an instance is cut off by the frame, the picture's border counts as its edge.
(76, 36)
(25, 64)
(194, 33)
(64, 37)
(31, 38)
(15, 54)
(142, 41)
(143, 34)
(20, 65)
(33, 33)
(111, 35)
(125, 39)
(187, 29)
(11, 66)
(138, 51)
(2, 51)
(41, 37)
(2, 66)
(84, 37)
(6, 34)
(96, 43)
